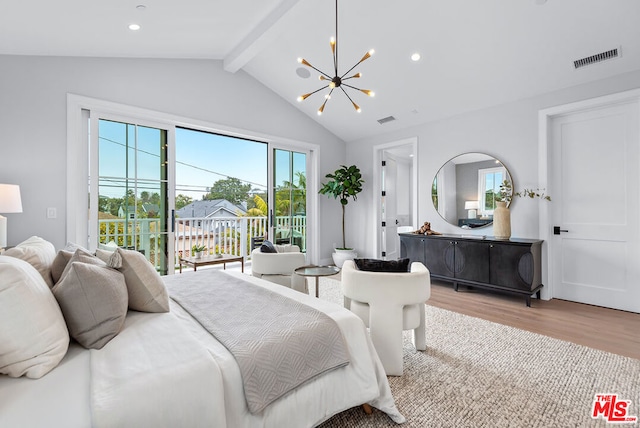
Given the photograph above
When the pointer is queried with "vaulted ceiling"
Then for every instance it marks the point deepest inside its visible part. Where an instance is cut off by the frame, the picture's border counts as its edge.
(474, 54)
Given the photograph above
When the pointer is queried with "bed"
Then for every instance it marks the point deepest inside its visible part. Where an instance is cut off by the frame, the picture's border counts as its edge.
(166, 370)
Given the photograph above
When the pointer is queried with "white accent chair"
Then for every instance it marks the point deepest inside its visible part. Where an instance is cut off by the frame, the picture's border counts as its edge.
(278, 267)
(388, 303)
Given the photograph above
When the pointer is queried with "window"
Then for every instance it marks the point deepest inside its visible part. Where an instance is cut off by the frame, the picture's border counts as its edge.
(489, 180)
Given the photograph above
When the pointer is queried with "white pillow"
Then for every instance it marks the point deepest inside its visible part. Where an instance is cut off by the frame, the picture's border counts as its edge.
(33, 334)
(147, 292)
(37, 252)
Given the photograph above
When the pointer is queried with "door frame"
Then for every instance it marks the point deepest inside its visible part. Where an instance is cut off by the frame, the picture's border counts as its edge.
(78, 159)
(545, 140)
(377, 173)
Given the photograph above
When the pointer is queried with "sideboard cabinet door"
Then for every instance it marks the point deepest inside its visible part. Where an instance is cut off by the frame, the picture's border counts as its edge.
(515, 266)
(412, 248)
(472, 261)
(439, 256)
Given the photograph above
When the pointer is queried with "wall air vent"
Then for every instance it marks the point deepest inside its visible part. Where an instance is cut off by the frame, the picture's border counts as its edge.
(603, 56)
(386, 120)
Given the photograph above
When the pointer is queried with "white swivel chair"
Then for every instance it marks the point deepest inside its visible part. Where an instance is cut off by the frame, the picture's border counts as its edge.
(388, 303)
(278, 267)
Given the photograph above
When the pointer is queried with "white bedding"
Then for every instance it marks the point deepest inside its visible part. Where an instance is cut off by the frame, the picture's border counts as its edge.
(141, 379)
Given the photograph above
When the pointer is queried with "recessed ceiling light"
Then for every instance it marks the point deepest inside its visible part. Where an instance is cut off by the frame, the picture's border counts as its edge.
(141, 7)
(134, 27)
(415, 57)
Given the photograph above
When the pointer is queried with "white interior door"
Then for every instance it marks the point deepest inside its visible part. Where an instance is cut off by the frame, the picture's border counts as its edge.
(389, 208)
(594, 165)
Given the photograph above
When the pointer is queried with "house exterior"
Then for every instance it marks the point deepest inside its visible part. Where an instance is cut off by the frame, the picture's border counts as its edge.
(210, 209)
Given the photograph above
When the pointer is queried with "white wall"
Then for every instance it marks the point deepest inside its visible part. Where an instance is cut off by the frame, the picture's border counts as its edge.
(33, 96)
(508, 132)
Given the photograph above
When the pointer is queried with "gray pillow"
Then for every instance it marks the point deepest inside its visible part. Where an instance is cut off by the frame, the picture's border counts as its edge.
(94, 303)
(267, 247)
(59, 263)
(147, 292)
(62, 260)
(81, 255)
(111, 258)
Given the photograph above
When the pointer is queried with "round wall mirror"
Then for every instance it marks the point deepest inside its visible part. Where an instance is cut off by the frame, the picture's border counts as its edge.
(464, 189)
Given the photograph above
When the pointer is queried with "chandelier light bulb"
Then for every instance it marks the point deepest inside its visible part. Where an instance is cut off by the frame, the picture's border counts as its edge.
(332, 85)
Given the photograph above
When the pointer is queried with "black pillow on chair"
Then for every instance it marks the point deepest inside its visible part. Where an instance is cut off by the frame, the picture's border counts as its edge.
(373, 265)
(267, 247)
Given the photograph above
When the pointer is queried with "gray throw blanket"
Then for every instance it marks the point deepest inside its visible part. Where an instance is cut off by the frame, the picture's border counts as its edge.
(278, 343)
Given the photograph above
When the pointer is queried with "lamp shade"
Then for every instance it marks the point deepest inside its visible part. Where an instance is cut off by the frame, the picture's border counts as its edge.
(10, 201)
(471, 205)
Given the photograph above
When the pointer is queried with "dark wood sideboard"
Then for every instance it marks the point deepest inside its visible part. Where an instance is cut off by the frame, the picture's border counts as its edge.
(512, 266)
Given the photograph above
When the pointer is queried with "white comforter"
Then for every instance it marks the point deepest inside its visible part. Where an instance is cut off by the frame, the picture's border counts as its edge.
(142, 379)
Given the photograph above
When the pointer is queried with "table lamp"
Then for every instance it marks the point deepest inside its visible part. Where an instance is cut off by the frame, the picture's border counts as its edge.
(472, 207)
(10, 202)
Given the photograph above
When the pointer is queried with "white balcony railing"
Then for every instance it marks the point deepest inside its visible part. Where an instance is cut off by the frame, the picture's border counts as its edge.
(228, 235)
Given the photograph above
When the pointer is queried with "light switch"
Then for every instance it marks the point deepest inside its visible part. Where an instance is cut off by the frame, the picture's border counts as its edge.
(52, 213)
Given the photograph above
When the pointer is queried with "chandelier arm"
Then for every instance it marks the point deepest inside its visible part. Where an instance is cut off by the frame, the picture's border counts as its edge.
(317, 90)
(320, 71)
(349, 71)
(345, 92)
(352, 87)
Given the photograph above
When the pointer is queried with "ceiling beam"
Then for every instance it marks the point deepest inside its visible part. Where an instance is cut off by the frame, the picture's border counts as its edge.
(261, 35)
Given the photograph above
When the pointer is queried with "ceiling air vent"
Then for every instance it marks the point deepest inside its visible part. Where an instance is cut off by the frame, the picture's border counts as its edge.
(603, 56)
(386, 119)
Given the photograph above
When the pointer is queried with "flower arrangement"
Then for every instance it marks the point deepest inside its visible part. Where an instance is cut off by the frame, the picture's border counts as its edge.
(506, 193)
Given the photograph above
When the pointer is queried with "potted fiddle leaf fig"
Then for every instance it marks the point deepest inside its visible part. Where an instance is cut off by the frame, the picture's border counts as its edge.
(344, 183)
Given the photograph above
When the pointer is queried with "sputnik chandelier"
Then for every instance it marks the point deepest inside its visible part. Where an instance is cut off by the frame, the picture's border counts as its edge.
(337, 81)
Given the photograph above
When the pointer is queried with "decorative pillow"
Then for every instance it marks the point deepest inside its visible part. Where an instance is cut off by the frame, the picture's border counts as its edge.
(373, 265)
(287, 248)
(59, 263)
(267, 247)
(94, 301)
(37, 252)
(33, 334)
(113, 258)
(62, 260)
(81, 255)
(147, 292)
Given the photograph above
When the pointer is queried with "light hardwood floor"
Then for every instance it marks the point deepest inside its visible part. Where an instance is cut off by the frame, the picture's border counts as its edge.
(593, 326)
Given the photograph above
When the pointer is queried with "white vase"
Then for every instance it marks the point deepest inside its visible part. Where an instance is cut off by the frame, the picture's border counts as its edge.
(502, 221)
(340, 256)
(198, 254)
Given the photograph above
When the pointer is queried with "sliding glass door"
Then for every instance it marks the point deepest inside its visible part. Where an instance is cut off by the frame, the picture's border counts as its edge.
(289, 225)
(131, 190)
(158, 188)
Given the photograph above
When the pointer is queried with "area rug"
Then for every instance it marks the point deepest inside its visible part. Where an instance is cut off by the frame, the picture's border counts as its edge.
(476, 373)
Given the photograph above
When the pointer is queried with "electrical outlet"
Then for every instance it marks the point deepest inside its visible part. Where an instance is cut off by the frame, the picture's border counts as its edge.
(52, 213)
